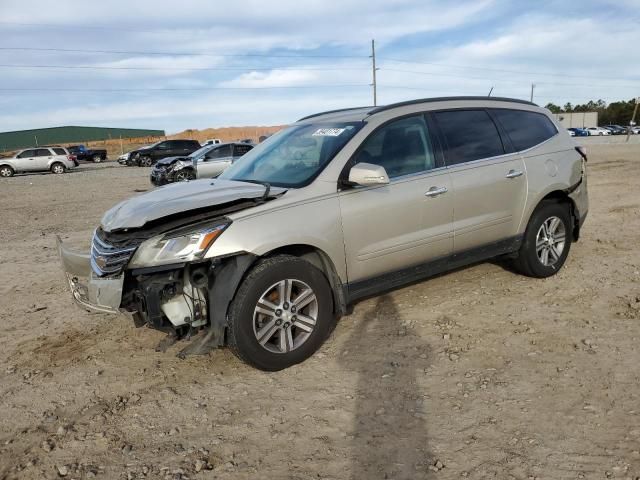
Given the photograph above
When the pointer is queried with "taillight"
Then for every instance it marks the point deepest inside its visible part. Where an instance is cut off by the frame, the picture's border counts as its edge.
(582, 151)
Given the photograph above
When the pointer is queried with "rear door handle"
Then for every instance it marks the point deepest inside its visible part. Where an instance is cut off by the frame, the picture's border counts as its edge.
(435, 191)
(514, 173)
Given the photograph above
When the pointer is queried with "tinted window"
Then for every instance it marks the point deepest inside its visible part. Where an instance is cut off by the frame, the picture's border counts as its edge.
(27, 154)
(469, 135)
(239, 150)
(165, 145)
(43, 152)
(60, 151)
(525, 129)
(220, 152)
(401, 147)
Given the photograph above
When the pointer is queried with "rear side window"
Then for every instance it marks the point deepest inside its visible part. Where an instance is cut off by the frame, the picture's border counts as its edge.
(469, 135)
(525, 129)
(43, 152)
(239, 150)
(60, 151)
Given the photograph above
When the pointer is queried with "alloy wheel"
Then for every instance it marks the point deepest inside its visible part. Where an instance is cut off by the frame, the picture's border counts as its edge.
(285, 316)
(550, 241)
(5, 172)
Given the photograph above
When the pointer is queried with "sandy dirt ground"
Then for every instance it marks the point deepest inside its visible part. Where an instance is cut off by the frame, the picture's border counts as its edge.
(480, 373)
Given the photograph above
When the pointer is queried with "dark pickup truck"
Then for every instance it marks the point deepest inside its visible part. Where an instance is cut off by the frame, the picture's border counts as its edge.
(83, 153)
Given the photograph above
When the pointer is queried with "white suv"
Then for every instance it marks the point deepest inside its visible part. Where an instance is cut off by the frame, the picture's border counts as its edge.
(54, 159)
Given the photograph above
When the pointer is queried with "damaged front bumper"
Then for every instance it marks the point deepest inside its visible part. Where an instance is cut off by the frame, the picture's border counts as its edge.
(90, 292)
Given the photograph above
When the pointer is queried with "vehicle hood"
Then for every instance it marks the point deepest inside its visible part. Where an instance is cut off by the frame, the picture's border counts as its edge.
(165, 162)
(179, 198)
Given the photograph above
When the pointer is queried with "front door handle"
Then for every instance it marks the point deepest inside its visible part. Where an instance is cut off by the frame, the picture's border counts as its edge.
(435, 191)
(514, 173)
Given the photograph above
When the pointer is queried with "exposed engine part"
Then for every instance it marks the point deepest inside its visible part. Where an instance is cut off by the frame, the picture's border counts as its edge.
(188, 306)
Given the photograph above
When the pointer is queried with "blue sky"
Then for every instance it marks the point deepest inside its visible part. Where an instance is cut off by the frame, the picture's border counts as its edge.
(199, 64)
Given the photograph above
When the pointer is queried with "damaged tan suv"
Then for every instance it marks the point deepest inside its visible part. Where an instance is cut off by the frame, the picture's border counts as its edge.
(338, 206)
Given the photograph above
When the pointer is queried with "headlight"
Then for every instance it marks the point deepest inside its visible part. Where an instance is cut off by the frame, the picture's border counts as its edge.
(179, 165)
(176, 247)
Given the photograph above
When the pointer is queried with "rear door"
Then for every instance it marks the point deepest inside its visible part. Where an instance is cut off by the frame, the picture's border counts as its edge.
(215, 161)
(44, 158)
(488, 177)
(407, 222)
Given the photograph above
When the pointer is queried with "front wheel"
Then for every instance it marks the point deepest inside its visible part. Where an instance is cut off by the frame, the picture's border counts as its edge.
(546, 242)
(58, 168)
(281, 314)
(6, 171)
(186, 174)
(145, 161)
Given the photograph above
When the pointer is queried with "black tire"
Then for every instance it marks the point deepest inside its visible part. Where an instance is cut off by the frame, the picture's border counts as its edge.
(184, 174)
(528, 261)
(58, 168)
(6, 171)
(241, 334)
(145, 161)
(96, 158)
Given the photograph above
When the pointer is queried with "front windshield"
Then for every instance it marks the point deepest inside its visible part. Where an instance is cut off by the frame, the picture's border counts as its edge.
(293, 157)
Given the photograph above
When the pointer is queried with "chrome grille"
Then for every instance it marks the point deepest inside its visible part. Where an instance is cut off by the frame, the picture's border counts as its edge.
(107, 259)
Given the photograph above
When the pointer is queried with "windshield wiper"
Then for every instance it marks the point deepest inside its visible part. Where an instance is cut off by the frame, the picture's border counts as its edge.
(266, 185)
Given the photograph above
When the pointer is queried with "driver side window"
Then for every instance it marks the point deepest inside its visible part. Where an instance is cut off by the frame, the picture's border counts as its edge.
(401, 147)
(220, 152)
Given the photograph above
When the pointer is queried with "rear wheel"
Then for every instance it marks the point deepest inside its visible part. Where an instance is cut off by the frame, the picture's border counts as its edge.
(281, 314)
(96, 158)
(58, 168)
(6, 171)
(547, 241)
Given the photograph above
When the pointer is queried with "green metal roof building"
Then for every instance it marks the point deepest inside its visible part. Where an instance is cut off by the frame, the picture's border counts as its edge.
(69, 134)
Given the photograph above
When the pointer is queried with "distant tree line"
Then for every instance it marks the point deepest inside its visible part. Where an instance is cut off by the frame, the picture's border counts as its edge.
(616, 113)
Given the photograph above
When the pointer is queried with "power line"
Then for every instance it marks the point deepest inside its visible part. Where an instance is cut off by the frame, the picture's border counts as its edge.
(437, 74)
(188, 54)
(178, 89)
(231, 69)
(493, 69)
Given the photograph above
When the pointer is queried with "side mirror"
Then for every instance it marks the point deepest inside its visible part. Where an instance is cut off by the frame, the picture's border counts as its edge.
(367, 174)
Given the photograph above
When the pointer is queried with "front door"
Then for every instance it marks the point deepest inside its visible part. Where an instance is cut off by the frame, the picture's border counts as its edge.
(214, 162)
(27, 161)
(489, 184)
(407, 222)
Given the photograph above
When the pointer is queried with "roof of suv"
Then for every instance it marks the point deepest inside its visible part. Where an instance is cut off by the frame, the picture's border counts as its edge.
(360, 113)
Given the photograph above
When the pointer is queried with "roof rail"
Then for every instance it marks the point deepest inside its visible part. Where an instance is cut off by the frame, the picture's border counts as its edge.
(332, 111)
(446, 99)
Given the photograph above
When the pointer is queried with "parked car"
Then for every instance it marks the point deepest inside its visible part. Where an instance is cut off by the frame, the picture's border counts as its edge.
(336, 207)
(579, 132)
(598, 131)
(124, 159)
(212, 141)
(55, 159)
(616, 129)
(571, 132)
(89, 155)
(207, 162)
(635, 130)
(147, 156)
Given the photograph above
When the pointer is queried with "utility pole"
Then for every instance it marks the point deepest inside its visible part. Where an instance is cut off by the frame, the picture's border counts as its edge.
(633, 118)
(533, 85)
(373, 71)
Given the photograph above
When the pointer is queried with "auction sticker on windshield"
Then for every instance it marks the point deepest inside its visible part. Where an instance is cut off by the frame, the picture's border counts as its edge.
(328, 132)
